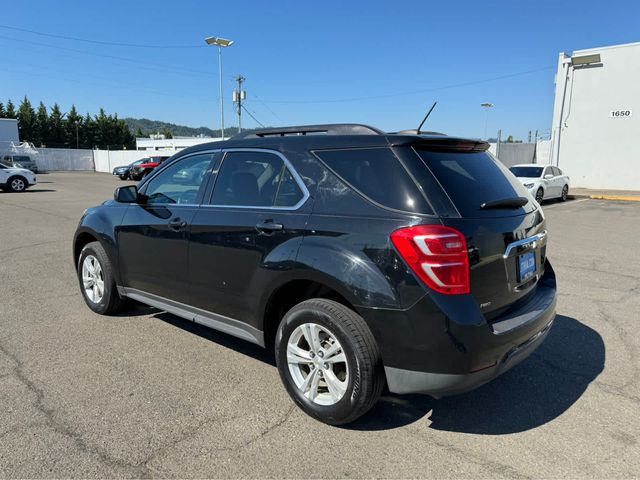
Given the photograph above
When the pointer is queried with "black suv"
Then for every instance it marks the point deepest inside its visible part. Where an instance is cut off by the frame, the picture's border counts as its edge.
(360, 257)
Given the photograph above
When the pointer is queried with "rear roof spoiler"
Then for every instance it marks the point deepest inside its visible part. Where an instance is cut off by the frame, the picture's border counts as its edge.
(445, 144)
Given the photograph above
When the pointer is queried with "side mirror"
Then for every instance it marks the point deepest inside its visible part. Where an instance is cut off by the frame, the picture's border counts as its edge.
(548, 176)
(128, 194)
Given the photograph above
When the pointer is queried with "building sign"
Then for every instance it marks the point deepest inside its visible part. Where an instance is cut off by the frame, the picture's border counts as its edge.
(620, 113)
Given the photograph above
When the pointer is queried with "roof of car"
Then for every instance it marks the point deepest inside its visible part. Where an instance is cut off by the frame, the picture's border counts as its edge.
(337, 136)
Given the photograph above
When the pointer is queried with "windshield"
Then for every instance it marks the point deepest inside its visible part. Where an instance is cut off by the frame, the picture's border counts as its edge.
(527, 172)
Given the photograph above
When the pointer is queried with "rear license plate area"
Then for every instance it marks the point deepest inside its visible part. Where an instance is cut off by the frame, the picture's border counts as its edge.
(526, 266)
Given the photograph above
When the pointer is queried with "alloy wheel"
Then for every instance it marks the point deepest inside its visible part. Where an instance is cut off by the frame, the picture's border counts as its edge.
(92, 279)
(318, 364)
(17, 185)
(539, 196)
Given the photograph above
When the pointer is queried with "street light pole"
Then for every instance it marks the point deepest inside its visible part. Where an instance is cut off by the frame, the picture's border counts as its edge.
(486, 106)
(220, 43)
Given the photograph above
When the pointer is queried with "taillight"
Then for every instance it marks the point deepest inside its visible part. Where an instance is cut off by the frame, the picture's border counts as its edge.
(437, 254)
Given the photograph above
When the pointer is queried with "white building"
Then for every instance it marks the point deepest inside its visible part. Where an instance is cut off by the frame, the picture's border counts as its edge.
(160, 143)
(596, 117)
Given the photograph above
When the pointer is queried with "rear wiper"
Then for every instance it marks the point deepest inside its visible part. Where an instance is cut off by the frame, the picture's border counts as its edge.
(515, 202)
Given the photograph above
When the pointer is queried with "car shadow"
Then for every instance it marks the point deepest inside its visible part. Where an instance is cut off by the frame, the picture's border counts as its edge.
(532, 394)
(31, 190)
(220, 338)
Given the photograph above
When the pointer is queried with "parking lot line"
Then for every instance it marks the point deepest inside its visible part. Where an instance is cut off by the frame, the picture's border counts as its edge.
(572, 202)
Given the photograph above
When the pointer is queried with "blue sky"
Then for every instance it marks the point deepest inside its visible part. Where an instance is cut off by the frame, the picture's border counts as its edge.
(381, 63)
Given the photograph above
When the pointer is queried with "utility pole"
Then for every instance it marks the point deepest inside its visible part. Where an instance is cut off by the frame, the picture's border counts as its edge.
(529, 141)
(238, 96)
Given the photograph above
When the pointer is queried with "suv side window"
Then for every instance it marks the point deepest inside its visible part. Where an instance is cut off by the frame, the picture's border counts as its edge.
(179, 183)
(377, 174)
(255, 179)
(556, 171)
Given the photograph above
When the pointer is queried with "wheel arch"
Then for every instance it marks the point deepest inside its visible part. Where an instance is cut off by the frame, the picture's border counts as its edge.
(289, 294)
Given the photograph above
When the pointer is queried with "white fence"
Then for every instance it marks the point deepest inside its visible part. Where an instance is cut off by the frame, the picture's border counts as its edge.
(49, 159)
(515, 153)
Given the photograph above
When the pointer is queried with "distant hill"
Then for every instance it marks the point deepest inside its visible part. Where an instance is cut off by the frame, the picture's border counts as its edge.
(156, 126)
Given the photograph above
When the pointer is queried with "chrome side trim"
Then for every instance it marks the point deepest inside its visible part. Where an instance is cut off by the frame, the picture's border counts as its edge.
(524, 242)
(294, 174)
(234, 327)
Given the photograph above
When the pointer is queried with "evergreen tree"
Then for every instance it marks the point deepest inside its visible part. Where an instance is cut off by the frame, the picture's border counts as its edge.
(41, 132)
(139, 133)
(87, 132)
(72, 126)
(57, 132)
(167, 133)
(2, 111)
(10, 111)
(26, 120)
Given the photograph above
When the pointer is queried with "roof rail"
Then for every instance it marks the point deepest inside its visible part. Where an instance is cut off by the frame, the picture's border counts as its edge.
(328, 129)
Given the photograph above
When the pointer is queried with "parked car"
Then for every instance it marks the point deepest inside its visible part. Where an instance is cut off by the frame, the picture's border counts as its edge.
(124, 171)
(543, 182)
(138, 172)
(13, 179)
(359, 257)
(19, 161)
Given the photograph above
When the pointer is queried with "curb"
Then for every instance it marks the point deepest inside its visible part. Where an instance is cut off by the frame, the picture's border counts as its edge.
(614, 197)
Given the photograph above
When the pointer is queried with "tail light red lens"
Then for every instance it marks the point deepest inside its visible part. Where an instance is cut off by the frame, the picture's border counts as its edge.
(437, 254)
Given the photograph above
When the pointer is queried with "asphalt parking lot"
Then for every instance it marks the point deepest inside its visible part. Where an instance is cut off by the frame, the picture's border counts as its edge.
(147, 394)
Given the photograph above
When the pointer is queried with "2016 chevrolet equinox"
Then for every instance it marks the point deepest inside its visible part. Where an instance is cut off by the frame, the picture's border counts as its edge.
(360, 257)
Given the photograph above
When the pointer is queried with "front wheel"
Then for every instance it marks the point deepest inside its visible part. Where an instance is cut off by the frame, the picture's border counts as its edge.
(17, 184)
(539, 196)
(329, 361)
(97, 282)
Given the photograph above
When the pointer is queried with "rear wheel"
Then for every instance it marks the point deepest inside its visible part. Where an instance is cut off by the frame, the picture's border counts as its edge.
(540, 195)
(97, 283)
(565, 193)
(17, 184)
(329, 361)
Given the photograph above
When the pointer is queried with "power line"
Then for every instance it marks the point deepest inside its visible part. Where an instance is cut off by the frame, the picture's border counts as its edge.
(413, 92)
(249, 113)
(136, 62)
(266, 106)
(97, 42)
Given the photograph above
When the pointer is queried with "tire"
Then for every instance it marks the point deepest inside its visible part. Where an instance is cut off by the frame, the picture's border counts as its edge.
(359, 376)
(540, 195)
(565, 193)
(17, 184)
(110, 301)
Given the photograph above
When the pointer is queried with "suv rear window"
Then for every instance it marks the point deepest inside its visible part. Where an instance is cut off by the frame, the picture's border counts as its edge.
(473, 178)
(377, 174)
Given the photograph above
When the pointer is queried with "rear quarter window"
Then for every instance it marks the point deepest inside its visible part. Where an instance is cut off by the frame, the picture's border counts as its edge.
(473, 178)
(377, 174)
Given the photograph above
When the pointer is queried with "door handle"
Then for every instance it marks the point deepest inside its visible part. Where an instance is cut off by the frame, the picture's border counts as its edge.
(176, 224)
(268, 226)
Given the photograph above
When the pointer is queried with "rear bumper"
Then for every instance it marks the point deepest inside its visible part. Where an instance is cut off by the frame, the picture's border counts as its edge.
(442, 384)
(445, 345)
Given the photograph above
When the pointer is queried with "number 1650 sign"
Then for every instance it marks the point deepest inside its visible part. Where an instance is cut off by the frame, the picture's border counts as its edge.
(620, 113)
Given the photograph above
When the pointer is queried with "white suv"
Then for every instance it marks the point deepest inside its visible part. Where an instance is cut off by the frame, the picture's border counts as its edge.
(14, 179)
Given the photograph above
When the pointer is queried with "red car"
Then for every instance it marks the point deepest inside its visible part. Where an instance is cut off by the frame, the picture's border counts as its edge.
(138, 172)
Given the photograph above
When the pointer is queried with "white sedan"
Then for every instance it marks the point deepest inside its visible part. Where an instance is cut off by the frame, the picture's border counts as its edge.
(543, 182)
(15, 179)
